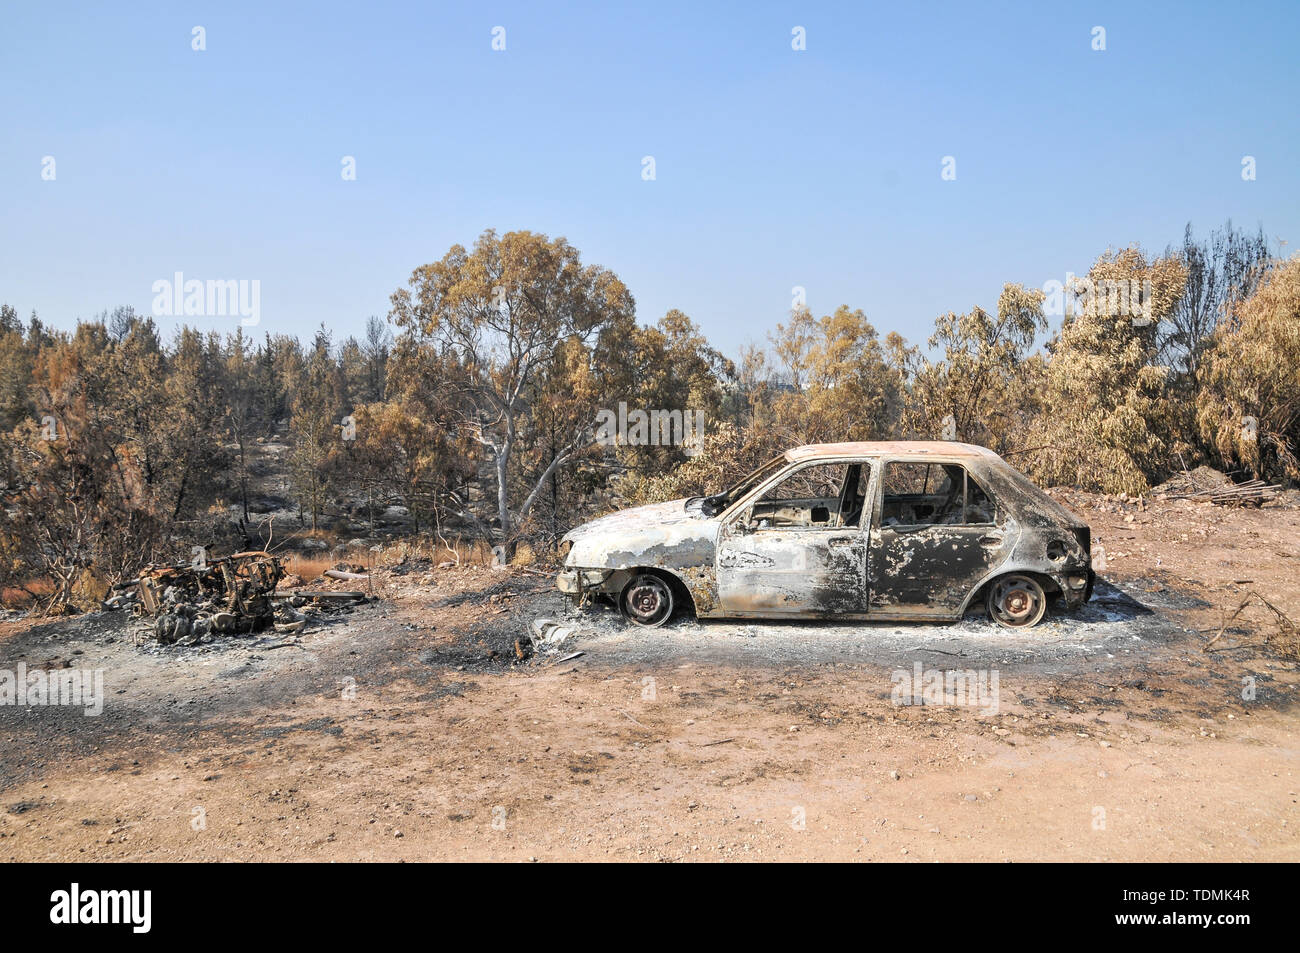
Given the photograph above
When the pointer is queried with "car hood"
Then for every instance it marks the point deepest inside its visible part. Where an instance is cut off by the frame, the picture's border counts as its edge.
(675, 534)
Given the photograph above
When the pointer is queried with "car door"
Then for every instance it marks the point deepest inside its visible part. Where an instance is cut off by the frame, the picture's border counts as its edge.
(799, 549)
(936, 534)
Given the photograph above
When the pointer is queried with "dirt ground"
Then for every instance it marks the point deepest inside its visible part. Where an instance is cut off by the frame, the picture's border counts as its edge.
(409, 729)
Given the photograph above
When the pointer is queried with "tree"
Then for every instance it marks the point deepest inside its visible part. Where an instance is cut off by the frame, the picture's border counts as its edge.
(194, 404)
(727, 453)
(1248, 408)
(1221, 272)
(77, 506)
(1110, 419)
(963, 395)
(426, 384)
(755, 387)
(400, 451)
(505, 308)
(375, 351)
(120, 322)
(317, 428)
(15, 371)
(241, 410)
(840, 386)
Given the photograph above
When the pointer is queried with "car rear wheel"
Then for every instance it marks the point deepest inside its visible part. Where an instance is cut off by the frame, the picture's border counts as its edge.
(647, 600)
(1016, 601)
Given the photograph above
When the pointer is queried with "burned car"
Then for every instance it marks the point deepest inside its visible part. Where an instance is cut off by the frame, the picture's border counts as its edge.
(888, 531)
(231, 595)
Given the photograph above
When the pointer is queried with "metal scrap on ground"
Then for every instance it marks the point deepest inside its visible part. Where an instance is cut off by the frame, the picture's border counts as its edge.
(231, 595)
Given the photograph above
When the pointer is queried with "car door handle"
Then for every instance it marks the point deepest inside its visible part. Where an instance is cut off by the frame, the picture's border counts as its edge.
(841, 541)
(991, 539)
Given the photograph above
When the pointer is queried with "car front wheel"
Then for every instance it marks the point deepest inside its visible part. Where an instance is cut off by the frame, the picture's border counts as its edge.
(1016, 601)
(647, 600)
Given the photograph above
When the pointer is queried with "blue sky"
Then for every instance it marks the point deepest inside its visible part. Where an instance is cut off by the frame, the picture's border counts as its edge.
(774, 168)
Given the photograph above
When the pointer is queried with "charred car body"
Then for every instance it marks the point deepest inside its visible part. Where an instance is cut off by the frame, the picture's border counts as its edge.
(231, 594)
(888, 531)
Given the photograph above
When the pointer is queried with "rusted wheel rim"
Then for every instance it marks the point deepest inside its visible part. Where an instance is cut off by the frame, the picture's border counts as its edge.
(648, 600)
(1017, 602)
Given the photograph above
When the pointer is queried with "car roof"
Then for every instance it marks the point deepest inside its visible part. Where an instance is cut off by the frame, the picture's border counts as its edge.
(881, 448)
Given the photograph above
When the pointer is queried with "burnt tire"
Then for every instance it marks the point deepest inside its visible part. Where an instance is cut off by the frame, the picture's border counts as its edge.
(1016, 601)
(647, 600)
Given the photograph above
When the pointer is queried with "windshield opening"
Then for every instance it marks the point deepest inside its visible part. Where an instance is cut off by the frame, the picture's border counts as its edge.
(720, 501)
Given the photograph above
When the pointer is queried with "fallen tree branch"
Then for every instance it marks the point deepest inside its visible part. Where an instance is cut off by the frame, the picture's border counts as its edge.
(1284, 622)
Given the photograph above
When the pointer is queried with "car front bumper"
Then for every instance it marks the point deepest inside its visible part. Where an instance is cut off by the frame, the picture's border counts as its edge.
(576, 582)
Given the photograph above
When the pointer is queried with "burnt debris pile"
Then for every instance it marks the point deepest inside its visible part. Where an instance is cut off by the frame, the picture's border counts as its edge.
(231, 595)
(189, 603)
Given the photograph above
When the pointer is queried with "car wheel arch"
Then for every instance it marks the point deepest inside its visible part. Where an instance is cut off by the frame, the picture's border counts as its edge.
(681, 589)
(1050, 586)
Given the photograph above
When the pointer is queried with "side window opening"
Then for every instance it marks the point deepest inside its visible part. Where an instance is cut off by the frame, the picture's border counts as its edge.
(821, 496)
(933, 494)
(978, 508)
